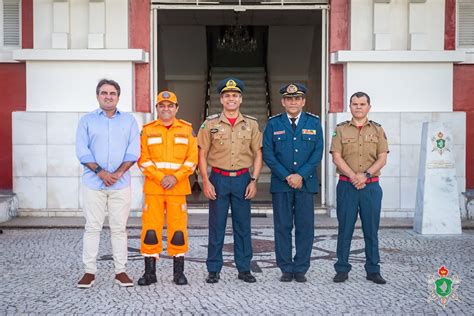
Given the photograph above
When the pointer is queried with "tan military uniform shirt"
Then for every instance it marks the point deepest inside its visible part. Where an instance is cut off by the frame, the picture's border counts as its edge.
(359, 147)
(230, 147)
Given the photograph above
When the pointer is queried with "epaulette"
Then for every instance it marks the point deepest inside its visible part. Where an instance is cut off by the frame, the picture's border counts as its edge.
(375, 123)
(272, 117)
(313, 115)
(343, 123)
(150, 123)
(213, 116)
(185, 122)
(250, 117)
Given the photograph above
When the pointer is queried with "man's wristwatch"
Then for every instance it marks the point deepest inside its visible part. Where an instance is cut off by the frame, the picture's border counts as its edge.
(367, 174)
(98, 169)
(253, 179)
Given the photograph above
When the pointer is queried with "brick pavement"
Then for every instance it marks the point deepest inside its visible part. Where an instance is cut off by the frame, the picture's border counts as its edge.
(40, 267)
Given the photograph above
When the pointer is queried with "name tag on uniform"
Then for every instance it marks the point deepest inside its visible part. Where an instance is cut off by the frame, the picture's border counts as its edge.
(309, 131)
(154, 140)
(181, 140)
(279, 132)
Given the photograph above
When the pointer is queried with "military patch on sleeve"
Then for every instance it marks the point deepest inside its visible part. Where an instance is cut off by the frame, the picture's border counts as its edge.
(203, 125)
(334, 134)
(309, 131)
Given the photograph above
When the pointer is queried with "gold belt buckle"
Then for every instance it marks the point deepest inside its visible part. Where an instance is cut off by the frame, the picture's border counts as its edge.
(233, 174)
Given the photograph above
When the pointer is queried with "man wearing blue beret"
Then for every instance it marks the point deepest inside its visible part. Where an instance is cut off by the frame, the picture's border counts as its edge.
(292, 149)
(231, 143)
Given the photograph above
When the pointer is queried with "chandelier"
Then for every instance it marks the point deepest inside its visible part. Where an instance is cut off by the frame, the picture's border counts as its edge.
(237, 38)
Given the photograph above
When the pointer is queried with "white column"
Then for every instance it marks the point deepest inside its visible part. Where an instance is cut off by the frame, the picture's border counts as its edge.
(61, 29)
(96, 37)
(437, 199)
(382, 36)
(418, 37)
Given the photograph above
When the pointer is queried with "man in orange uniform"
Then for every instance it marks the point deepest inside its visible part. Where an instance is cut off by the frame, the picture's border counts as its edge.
(169, 156)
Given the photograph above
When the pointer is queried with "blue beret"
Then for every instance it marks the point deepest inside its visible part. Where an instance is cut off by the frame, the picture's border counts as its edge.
(230, 84)
(293, 90)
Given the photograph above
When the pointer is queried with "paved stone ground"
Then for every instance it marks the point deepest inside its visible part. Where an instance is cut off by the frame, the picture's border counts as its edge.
(39, 269)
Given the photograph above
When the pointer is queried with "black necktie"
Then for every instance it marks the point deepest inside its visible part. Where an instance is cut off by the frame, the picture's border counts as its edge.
(293, 123)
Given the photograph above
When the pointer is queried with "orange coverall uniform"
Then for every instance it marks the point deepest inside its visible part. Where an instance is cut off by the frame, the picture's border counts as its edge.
(164, 152)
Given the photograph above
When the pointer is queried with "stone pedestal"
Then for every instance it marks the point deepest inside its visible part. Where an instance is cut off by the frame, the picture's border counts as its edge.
(437, 198)
(8, 205)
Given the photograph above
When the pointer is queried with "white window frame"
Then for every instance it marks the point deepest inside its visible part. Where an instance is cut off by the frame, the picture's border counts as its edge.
(6, 51)
(469, 50)
(458, 24)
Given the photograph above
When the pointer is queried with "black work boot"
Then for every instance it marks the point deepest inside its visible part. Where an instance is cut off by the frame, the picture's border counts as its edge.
(149, 276)
(178, 271)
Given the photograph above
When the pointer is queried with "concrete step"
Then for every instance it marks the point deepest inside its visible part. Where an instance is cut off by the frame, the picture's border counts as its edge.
(233, 70)
(242, 76)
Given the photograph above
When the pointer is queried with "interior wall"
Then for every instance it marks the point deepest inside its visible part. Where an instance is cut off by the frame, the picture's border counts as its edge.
(183, 68)
(288, 61)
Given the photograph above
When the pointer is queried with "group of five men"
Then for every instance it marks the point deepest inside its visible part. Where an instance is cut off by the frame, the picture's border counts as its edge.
(230, 144)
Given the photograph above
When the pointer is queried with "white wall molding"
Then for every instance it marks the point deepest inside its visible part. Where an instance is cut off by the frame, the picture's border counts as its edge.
(346, 56)
(133, 55)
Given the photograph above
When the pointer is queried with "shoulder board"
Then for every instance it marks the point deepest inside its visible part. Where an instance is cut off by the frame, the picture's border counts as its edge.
(213, 116)
(311, 114)
(272, 117)
(250, 117)
(149, 123)
(185, 122)
(343, 123)
(375, 123)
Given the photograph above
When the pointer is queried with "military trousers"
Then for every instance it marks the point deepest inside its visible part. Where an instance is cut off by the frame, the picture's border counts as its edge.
(366, 202)
(293, 209)
(230, 191)
(153, 218)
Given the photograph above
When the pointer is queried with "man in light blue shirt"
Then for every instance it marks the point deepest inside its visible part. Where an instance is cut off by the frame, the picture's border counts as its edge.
(107, 145)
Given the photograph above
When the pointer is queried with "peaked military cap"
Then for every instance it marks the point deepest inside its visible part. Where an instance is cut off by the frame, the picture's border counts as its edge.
(230, 84)
(293, 90)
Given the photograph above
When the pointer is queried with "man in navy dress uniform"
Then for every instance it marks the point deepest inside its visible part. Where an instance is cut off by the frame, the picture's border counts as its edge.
(292, 149)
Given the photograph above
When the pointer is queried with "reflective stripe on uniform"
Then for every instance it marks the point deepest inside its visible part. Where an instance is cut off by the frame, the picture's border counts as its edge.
(154, 140)
(168, 165)
(181, 140)
(189, 164)
(147, 164)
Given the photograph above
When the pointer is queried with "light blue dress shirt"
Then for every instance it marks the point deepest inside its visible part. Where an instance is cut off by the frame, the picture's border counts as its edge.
(108, 142)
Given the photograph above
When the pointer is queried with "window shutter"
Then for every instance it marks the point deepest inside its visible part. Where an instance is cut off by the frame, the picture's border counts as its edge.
(11, 23)
(465, 23)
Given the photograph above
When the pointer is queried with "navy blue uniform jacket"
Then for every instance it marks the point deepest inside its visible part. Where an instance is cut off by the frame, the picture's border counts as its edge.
(286, 152)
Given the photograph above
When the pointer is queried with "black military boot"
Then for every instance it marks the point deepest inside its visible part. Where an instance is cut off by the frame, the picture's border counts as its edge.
(178, 271)
(149, 276)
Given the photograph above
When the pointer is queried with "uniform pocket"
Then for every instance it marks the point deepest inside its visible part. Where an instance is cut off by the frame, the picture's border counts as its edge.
(180, 147)
(155, 146)
(349, 146)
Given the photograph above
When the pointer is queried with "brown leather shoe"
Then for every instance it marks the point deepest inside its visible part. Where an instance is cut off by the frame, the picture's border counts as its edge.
(122, 279)
(87, 280)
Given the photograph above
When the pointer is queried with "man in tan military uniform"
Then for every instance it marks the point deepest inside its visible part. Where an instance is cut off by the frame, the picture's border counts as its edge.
(359, 149)
(231, 144)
